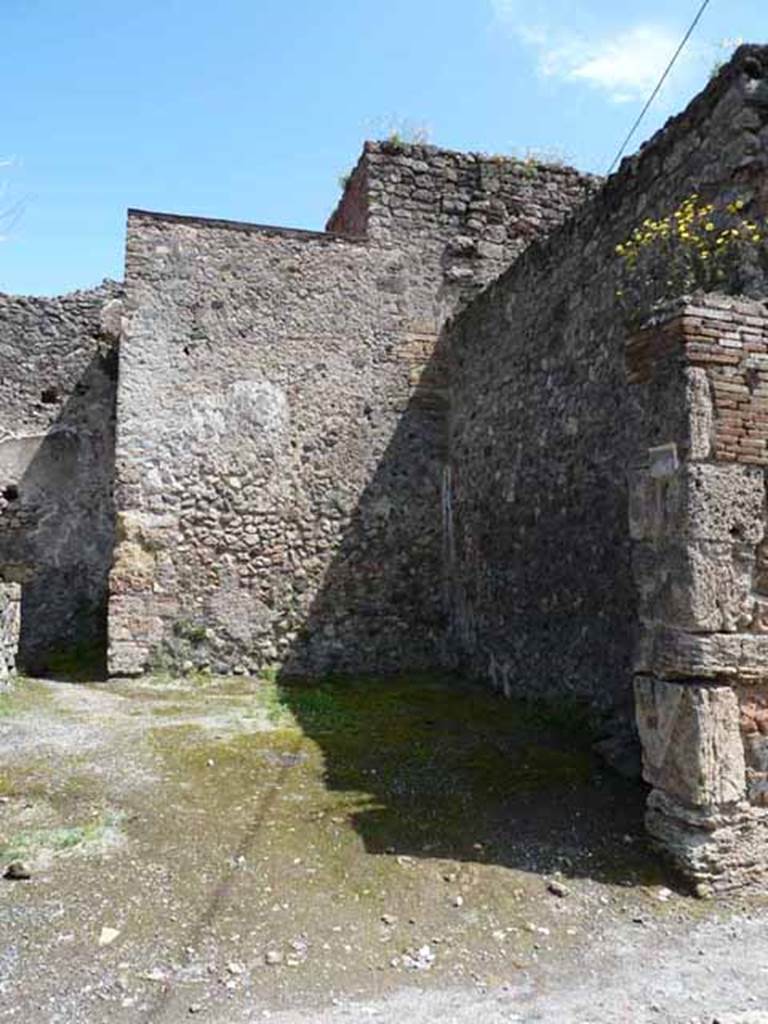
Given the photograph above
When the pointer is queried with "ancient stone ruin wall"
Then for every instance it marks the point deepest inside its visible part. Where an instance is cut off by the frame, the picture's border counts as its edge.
(544, 425)
(57, 386)
(698, 523)
(10, 622)
(277, 485)
(282, 427)
(457, 220)
(313, 470)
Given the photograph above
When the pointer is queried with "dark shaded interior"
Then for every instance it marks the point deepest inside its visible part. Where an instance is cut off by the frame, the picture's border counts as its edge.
(445, 769)
(58, 532)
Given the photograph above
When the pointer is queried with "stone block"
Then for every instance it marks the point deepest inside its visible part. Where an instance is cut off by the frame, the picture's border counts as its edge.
(753, 723)
(670, 653)
(127, 659)
(140, 536)
(725, 503)
(701, 501)
(697, 585)
(692, 748)
(676, 654)
(698, 396)
(720, 851)
(111, 319)
(10, 621)
(139, 617)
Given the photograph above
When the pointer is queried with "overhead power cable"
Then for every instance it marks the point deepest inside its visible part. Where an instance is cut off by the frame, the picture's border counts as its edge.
(659, 84)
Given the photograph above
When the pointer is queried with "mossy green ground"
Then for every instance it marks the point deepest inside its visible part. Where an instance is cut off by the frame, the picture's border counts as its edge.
(338, 824)
(30, 844)
(24, 696)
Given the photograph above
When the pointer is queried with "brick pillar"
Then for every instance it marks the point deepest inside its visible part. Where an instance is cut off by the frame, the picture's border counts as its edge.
(700, 559)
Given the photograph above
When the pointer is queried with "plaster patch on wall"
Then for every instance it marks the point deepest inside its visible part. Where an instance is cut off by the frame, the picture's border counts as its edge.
(663, 460)
(249, 411)
(17, 454)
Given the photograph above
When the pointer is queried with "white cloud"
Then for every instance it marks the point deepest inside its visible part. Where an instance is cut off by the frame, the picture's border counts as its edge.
(628, 65)
(625, 64)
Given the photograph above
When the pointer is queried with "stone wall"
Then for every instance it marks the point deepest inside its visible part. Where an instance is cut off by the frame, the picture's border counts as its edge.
(10, 620)
(544, 424)
(362, 451)
(456, 219)
(266, 511)
(698, 519)
(282, 418)
(57, 387)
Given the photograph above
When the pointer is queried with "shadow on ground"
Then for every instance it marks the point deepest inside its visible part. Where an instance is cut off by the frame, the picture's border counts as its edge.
(246, 844)
(445, 769)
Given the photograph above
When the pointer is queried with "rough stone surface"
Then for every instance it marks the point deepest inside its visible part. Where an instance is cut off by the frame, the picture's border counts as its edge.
(57, 389)
(545, 424)
(698, 522)
(691, 742)
(282, 417)
(10, 618)
(363, 451)
(720, 851)
(276, 487)
(460, 217)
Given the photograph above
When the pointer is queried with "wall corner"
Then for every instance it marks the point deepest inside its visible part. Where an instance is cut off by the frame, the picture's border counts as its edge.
(698, 528)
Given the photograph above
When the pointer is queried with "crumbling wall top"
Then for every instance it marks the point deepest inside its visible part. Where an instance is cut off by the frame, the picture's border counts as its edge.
(396, 187)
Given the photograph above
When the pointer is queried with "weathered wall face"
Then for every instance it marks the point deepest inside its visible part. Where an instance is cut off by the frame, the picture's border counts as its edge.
(10, 621)
(456, 219)
(277, 494)
(282, 424)
(543, 425)
(57, 389)
(698, 518)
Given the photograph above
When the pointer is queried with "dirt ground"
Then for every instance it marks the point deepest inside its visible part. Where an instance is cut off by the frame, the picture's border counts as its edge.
(414, 850)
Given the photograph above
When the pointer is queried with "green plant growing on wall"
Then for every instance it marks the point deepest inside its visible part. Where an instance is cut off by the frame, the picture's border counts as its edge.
(549, 155)
(194, 632)
(723, 53)
(402, 133)
(531, 160)
(700, 246)
(529, 166)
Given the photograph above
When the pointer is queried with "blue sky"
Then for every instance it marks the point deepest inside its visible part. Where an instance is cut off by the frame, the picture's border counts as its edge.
(252, 109)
